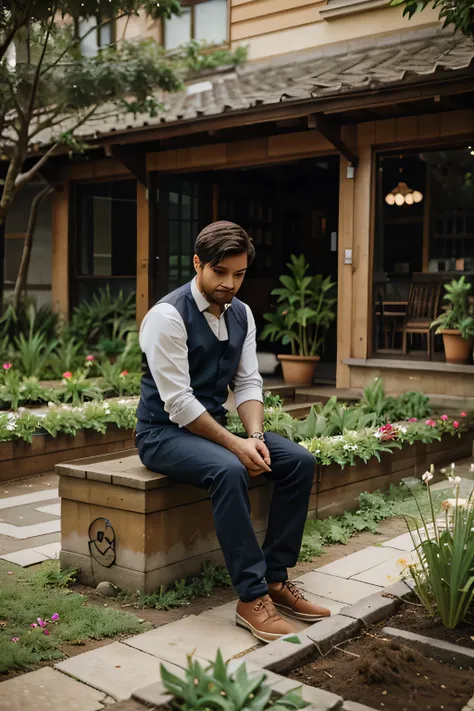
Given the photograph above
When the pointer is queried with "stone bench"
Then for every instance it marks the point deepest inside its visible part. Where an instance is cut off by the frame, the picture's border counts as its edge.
(163, 530)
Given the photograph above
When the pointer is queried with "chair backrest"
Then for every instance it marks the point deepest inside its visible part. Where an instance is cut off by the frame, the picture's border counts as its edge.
(423, 301)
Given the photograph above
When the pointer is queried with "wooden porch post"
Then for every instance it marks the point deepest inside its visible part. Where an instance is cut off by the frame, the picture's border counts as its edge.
(60, 251)
(345, 241)
(143, 247)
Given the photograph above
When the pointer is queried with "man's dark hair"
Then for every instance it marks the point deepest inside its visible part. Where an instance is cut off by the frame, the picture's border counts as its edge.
(220, 240)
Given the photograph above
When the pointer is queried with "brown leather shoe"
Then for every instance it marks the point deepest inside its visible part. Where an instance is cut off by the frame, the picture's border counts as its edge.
(290, 600)
(263, 621)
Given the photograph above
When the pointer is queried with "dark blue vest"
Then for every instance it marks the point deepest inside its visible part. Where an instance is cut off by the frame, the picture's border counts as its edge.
(212, 363)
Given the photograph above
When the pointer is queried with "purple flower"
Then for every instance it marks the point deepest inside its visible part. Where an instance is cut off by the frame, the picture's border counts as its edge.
(15, 639)
(41, 622)
(46, 632)
(55, 617)
(34, 625)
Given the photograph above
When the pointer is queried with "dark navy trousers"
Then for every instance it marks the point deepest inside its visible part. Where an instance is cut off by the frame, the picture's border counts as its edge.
(194, 460)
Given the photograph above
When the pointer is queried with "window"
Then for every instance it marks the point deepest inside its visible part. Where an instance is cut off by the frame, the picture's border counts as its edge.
(94, 34)
(204, 20)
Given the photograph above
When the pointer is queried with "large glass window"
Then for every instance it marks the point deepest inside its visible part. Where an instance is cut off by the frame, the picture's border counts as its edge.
(424, 237)
(105, 229)
(183, 228)
(201, 20)
(94, 35)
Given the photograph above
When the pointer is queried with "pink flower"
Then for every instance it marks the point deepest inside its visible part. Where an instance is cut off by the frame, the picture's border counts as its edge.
(463, 414)
(455, 424)
(15, 639)
(444, 418)
(123, 373)
(55, 617)
(41, 622)
(67, 375)
(90, 358)
(430, 423)
(413, 419)
(46, 632)
(34, 625)
(9, 572)
(7, 366)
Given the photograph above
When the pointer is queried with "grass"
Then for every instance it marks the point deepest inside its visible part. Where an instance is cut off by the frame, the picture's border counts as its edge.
(26, 595)
(183, 591)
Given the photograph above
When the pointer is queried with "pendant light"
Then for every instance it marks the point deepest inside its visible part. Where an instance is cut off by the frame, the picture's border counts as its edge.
(402, 194)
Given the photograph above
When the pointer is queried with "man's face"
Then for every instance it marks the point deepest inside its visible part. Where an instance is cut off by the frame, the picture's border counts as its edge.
(221, 283)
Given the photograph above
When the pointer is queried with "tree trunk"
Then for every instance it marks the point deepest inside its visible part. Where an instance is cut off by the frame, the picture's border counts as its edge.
(22, 277)
(2, 262)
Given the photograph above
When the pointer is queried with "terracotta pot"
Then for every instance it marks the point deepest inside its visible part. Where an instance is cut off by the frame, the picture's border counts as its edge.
(456, 348)
(298, 370)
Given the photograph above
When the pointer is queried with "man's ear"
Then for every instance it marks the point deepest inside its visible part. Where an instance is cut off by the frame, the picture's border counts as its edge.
(196, 263)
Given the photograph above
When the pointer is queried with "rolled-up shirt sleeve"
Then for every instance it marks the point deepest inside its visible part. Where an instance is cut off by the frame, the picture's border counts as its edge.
(248, 384)
(163, 339)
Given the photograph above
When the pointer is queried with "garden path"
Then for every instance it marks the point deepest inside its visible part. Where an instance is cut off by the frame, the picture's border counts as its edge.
(109, 675)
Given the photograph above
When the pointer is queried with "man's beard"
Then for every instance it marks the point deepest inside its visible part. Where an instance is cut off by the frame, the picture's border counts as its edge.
(220, 297)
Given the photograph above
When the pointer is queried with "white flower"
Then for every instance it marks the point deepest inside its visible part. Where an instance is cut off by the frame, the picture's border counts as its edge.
(51, 404)
(427, 476)
(403, 429)
(451, 504)
(347, 446)
(11, 426)
(377, 435)
(317, 451)
(21, 409)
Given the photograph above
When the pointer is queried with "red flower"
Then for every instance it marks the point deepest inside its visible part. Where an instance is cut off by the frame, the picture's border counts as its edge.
(67, 375)
(7, 366)
(413, 419)
(455, 424)
(430, 423)
(463, 414)
(46, 632)
(444, 418)
(123, 373)
(90, 358)
(387, 432)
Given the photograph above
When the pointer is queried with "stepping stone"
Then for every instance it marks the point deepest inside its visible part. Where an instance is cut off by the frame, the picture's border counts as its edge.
(401, 543)
(35, 497)
(196, 635)
(383, 574)
(48, 690)
(50, 550)
(357, 562)
(227, 613)
(22, 532)
(116, 669)
(26, 557)
(334, 588)
(52, 510)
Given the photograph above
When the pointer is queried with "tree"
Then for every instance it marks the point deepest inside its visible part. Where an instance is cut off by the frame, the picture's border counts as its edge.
(458, 14)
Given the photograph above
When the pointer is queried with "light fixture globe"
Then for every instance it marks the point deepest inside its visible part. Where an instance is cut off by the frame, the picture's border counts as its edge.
(390, 199)
(399, 199)
(409, 199)
(417, 196)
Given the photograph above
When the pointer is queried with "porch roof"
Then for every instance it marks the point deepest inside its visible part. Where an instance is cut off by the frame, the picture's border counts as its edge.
(305, 79)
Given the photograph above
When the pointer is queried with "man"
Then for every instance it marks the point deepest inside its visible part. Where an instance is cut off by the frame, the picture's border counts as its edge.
(198, 341)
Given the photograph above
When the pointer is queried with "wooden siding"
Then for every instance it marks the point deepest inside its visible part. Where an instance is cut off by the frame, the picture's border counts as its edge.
(272, 27)
(60, 251)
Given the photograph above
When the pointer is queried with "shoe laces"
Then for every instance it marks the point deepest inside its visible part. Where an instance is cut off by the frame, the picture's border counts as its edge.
(294, 590)
(266, 604)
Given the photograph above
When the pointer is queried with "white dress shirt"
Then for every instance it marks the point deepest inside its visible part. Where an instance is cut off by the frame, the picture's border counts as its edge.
(163, 339)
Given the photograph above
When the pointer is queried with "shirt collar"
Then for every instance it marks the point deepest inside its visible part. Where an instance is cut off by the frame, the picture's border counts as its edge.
(201, 302)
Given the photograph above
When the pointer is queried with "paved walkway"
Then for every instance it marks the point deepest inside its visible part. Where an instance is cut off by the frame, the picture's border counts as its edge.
(112, 673)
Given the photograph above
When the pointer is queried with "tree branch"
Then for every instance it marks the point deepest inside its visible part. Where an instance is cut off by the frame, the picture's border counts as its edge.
(34, 87)
(6, 42)
(23, 178)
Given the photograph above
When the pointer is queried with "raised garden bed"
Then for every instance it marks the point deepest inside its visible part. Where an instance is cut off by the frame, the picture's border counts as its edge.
(368, 655)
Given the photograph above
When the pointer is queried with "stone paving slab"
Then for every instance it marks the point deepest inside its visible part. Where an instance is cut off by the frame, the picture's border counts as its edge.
(357, 562)
(38, 529)
(50, 550)
(334, 588)
(34, 497)
(115, 669)
(25, 557)
(196, 635)
(52, 510)
(48, 690)
(383, 574)
(227, 612)
(401, 543)
(27, 515)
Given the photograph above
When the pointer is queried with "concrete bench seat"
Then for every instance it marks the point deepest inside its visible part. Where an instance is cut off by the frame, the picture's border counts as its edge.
(163, 529)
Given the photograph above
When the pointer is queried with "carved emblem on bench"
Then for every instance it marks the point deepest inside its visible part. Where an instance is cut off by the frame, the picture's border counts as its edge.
(102, 542)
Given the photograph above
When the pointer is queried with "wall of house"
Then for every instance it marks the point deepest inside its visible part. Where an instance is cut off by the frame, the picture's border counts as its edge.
(273, 27)
(40, 272)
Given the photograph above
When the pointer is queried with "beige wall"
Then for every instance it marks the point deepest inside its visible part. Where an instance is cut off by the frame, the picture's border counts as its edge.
(138, 28)
(271, 27)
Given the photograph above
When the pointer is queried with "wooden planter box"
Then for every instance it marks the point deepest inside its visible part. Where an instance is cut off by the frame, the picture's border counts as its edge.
(19, 459)
(164, 529)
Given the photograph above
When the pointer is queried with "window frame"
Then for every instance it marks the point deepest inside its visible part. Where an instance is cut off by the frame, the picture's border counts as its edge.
(99, 26)
(191, 4)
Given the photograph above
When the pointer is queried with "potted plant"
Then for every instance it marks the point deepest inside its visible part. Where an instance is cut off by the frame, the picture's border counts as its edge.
(456, 323)
(304, 313)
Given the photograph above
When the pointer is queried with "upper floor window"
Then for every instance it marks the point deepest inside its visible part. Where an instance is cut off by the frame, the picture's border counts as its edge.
(94, 35)
(201, 20)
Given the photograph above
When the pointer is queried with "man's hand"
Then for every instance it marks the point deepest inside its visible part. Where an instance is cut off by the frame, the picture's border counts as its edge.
(254, 455)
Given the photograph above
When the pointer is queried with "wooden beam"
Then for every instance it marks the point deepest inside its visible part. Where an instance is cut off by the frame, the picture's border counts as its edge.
(426, 223)
(143, 252)
(134, 160)
(60, 251)
(332, 133)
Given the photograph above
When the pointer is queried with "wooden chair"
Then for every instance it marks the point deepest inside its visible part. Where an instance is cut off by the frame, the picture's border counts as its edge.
(422, 309)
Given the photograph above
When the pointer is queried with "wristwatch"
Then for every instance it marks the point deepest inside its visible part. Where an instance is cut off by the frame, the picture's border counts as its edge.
(258, 435)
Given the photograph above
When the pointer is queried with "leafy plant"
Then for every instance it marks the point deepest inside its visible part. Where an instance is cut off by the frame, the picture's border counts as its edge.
(198, 56)
(458, 312)
(305, 310)
(459, 14)
(27, 319)
(111, 347)
(76, 388)
(444, 572)
(275, 419)
(104, 316)
(213, 687)
(67, 355)
(119, 382)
